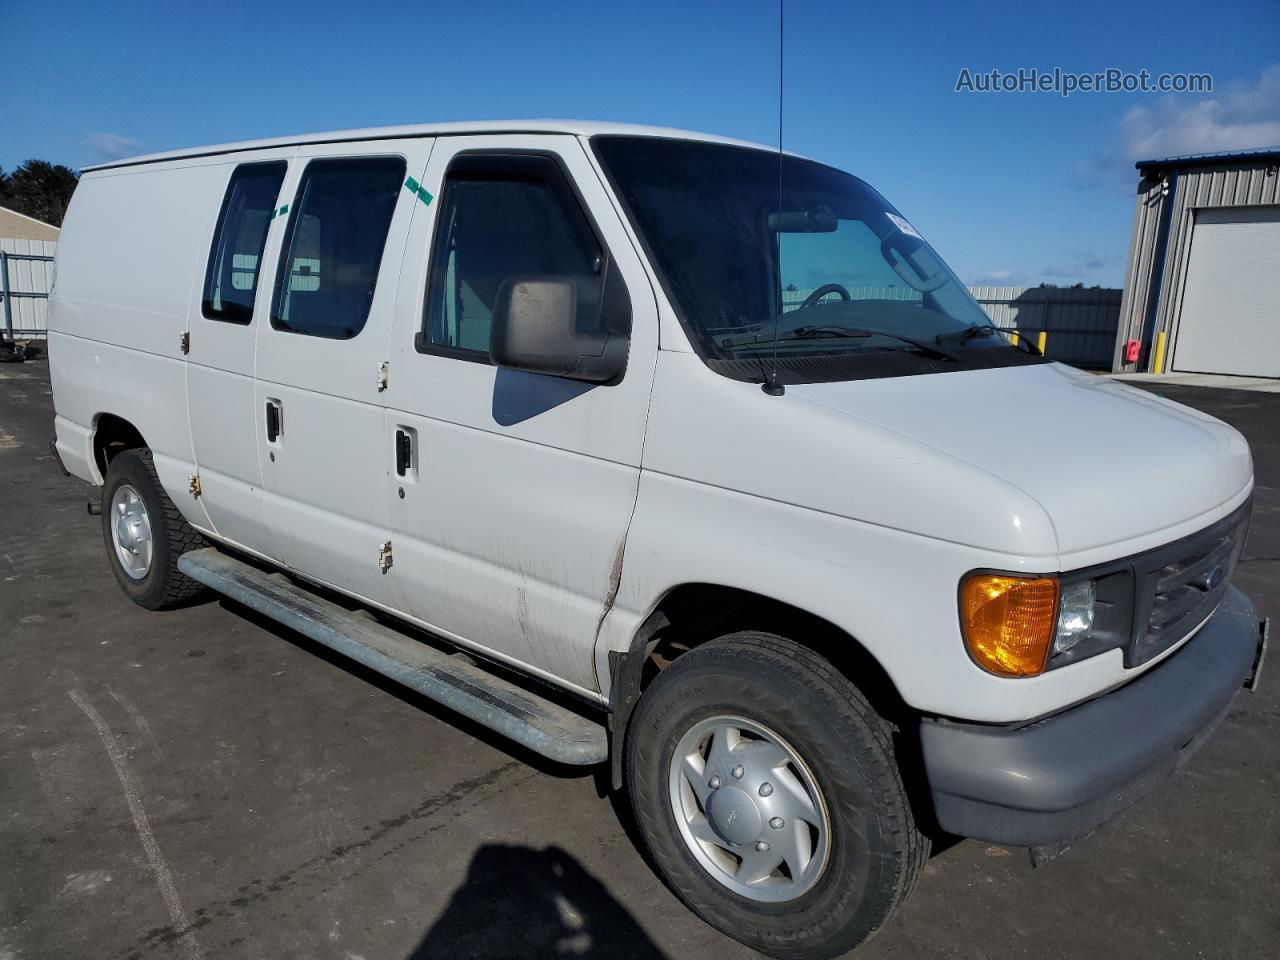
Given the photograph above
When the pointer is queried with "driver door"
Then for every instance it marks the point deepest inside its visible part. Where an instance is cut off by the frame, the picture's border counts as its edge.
(511, 508)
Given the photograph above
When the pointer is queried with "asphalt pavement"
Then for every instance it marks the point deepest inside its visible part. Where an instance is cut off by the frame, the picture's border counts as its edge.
(204, 784)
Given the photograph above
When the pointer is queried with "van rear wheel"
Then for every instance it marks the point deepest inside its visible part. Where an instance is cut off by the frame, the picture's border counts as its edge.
(145, 534)
(768, 793)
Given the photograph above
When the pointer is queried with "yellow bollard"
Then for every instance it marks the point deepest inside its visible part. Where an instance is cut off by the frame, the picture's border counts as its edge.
(1157, 365)
(1042, 340)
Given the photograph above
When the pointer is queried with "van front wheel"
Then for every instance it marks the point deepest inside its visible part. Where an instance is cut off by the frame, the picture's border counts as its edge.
(145, 534)
(766, 788)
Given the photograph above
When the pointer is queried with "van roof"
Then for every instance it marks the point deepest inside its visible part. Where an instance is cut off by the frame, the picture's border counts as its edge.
(586, 128)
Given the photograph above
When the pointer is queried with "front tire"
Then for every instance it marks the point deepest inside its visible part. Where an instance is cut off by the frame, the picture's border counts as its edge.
(145, 534)
(768, 793)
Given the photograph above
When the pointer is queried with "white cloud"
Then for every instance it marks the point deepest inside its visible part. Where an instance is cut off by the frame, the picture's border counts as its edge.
(112, 146)
(1238, 120)
(993, 278)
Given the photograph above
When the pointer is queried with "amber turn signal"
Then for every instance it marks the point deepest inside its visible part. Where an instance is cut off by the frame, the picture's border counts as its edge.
(1009, 621)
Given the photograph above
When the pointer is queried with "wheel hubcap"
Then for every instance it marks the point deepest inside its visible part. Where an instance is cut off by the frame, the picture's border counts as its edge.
(131, 532)
(749, 809)
(733, 816)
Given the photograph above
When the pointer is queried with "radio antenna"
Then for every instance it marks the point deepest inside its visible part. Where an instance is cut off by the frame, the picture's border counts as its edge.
(771, 386)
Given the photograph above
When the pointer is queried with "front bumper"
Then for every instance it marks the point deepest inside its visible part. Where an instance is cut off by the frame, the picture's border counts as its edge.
(1058, 778)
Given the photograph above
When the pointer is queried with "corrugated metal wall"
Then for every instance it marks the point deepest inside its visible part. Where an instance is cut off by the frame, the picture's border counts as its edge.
(1081, 324)
(1243, 184)
(29, 276)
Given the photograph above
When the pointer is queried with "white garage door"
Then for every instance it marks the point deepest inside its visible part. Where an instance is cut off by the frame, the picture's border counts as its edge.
(1230, 319)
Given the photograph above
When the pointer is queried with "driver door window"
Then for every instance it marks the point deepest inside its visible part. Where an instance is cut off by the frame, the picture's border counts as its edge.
(503, 217)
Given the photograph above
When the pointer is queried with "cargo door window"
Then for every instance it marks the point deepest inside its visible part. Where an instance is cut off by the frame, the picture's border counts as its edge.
(231, 277)
(332, 252)
(504, 216)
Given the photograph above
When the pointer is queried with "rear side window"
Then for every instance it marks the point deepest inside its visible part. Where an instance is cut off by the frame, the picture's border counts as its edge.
(231, 278)
(501, 217)
(337, 231)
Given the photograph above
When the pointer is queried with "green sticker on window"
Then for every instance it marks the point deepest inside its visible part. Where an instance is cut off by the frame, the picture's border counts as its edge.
(281, 212)
(413, 186)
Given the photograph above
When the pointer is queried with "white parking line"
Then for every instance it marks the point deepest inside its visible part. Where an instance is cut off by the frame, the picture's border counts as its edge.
(164, 879)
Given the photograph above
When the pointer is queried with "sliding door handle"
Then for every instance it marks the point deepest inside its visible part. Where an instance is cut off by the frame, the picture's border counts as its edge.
(275, 420)
(404, 452)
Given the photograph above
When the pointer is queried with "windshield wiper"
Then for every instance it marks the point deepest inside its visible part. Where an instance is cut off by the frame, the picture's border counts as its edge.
(968, 333)
(816, 332)
(982, 330)
(835, 331)
(1025, 344)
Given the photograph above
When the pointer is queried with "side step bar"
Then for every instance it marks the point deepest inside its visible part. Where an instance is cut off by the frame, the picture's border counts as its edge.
(539, 724)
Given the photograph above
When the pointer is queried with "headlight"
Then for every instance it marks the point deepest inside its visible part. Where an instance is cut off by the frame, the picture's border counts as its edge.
(1009, 621)
(1075, 615)
(1014, 625)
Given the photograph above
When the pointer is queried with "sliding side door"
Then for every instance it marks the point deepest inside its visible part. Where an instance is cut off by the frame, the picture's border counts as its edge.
(322, 361)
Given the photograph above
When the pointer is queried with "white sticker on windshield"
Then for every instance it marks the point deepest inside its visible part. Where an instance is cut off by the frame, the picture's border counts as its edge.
(902, 225)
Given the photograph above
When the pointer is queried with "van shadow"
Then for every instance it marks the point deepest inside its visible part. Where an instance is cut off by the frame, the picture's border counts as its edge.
(520, 902)
(520, 396)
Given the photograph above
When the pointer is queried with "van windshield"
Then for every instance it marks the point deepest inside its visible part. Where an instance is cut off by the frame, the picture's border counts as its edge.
(850, 286)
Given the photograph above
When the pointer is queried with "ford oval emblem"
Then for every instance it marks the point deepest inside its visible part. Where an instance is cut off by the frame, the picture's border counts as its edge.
(1213, 577)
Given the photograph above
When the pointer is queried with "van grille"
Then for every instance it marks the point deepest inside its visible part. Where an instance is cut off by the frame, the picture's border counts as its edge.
(1183, 584)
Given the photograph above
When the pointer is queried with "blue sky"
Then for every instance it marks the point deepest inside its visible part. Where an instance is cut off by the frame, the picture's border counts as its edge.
(1011, 188)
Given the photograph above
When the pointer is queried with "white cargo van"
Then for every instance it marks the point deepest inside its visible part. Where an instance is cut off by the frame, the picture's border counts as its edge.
(501, 385)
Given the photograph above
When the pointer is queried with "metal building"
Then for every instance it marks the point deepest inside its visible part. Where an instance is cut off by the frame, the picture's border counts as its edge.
(1202, 287)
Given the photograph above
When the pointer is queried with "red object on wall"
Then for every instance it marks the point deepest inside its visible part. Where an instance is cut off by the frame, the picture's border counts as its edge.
(1131, 350)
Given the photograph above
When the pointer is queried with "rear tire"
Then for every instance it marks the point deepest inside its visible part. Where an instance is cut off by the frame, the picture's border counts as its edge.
(145, 534)
(823, 742)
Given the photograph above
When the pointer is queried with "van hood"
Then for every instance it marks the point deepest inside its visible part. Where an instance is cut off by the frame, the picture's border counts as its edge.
(1107, 463)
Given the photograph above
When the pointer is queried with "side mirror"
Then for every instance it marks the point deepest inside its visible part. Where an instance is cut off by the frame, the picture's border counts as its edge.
(534, 328)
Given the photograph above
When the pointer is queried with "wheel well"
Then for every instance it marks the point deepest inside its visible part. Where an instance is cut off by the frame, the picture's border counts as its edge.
(694, 613)
(697, 612)
(113, 435)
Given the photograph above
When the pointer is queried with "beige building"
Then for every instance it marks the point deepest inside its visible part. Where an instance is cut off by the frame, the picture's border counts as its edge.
(18, 226)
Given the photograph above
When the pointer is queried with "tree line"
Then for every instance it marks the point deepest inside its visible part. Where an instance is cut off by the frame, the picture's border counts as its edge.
(38, 189)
